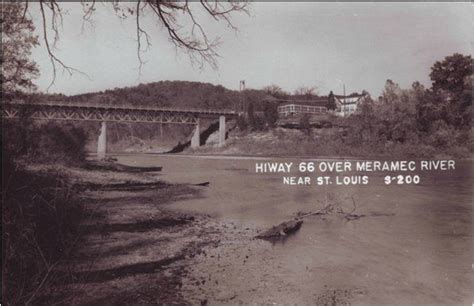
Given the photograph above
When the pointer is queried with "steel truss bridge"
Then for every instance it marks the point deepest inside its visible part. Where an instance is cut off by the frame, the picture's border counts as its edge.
(112, 113)
(109, 113)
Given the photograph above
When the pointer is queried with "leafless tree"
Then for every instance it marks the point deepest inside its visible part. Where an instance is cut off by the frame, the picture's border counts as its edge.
(178, 19)
(306, 91)
(274, 90)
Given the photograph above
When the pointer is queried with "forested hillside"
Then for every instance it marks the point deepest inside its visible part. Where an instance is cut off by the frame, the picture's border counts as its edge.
(179, 94)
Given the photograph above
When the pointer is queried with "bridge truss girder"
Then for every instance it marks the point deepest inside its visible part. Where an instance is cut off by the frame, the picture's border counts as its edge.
(103, 114)
(109, 114)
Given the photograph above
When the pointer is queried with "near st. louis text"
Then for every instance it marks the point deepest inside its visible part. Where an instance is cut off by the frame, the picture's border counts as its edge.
(344, 172)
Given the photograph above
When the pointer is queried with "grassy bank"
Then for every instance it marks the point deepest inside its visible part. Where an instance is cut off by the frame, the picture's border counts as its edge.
(41, 210)
(40, 220)
(324, 143)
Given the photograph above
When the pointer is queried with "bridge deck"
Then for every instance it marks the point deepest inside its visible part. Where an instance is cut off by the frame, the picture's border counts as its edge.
(125, 107)
(115, 113)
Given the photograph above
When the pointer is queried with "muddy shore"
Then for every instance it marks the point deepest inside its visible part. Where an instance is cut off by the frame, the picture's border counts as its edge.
(134, 249)
(159, 238)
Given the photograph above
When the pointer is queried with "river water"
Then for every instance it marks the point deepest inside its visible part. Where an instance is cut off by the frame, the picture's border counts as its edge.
(416, 248)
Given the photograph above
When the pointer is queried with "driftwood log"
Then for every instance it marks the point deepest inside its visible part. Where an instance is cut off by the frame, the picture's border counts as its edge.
(288, 227)
(281, 230)
(111, 165)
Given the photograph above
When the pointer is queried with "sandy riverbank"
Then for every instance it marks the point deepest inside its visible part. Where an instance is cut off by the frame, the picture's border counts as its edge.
(134, 249)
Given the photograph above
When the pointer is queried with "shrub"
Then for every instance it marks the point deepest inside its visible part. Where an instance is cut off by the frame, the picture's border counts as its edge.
(305, 124)
(40, 219)
(270, 111)
(242, 123)
(442, 135)
(51, 142)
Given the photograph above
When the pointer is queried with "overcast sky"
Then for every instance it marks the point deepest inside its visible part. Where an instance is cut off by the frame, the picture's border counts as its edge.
(288, 44)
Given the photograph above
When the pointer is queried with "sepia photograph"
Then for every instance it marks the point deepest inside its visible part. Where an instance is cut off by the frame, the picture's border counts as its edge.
(161, 152)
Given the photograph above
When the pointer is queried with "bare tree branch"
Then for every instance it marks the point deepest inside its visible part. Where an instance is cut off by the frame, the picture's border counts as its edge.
(52, 56)
(88, 8)
(195, 42)
(140, 32)
(24, 11)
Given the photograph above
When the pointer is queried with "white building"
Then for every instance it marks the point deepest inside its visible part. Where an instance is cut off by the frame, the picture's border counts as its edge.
(347, 105)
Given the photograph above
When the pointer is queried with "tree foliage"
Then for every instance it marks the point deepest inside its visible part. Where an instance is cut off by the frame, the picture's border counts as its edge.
(305, 124)
(451, 73)
(270, 112)
(419, 119)
(452, 80)
(331, 105)
(18, 70)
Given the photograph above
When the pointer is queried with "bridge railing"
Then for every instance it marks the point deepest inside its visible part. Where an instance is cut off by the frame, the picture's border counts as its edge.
(123, 107)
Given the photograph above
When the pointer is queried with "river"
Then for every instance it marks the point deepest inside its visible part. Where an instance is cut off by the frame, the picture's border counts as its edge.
(418, 250)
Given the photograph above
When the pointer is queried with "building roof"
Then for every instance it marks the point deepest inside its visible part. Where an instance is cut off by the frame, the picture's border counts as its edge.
(320, 101)
(353, 95)
(342, 99)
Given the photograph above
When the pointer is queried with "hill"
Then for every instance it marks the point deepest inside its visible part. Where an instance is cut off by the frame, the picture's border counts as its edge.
(179, 94)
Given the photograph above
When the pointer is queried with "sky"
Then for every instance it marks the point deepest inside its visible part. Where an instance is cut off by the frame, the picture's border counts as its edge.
(325, 45)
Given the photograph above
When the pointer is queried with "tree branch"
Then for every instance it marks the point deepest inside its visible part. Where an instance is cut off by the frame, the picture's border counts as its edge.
(199, 47)
(54, 60)
(140, 32)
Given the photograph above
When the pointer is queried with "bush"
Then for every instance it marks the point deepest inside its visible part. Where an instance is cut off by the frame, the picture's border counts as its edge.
(406, 122)
(59, 143)
(270, 111)
(40, 219)
(51, 142)
(305, 125)
(242, 123)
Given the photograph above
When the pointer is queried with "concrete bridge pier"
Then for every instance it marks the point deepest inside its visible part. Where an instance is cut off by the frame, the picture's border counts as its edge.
(102, 141)
(196, 138)
(221, 131)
